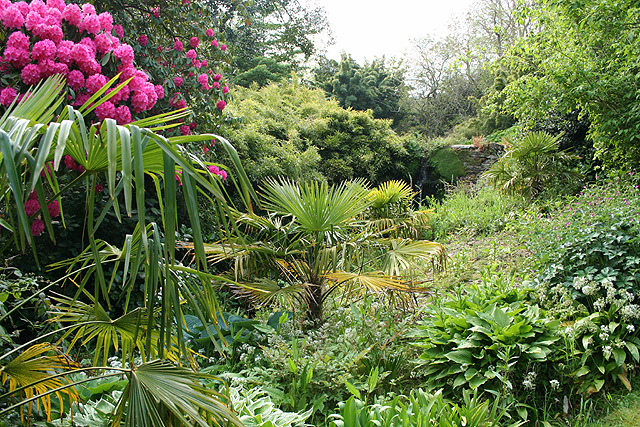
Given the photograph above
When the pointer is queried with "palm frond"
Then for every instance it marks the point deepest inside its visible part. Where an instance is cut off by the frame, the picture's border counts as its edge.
(161, 394)
(316, 207)
(403, 255)
(32, 372)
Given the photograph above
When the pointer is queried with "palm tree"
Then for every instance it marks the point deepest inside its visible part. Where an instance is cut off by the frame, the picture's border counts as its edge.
(313, 242)
(532, 164)
(41, 129)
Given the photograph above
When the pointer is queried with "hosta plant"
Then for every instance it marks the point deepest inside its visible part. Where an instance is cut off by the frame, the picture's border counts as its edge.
(488, 338)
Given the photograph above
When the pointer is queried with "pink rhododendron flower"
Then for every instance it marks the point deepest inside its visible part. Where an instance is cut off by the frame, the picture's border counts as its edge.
(95, 83)
(178, 81)
(217, 77)
(118, 30)
(205, 149)
(210, 32)
(193, 125)
(203, 79)
(90, 23)
(123, 115)
(70, 163)
(54, 209)
(43, 50)
(88, 8)
(31, 206)
(106, 21)
(103, 43)
(30, 74)
(106, 110)
(143, 40)
(185, 130)
(72, 14)
(139, 102)
(223, 47)
(37, 227)
(205, 63)
(225, 89)
(191, 54)
(194, 42)
(99, 188)
(57, 4)
(75, 80)
(17, 40)
(178, 45)
(17, 57)
(156, 11)
(220, 105)
(214, 43)
(12, 17)
(159, 91)
(125, 54)
(215, 85)
(7, 95)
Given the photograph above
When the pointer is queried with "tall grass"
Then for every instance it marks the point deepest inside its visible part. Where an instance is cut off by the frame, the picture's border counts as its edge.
(474, 210)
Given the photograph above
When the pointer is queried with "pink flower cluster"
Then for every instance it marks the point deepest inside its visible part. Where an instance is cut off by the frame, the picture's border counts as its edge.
(37, 47)
(32, 206)
(214, 170)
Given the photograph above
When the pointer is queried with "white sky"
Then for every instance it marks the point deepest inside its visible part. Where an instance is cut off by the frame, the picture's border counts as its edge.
(371, 28)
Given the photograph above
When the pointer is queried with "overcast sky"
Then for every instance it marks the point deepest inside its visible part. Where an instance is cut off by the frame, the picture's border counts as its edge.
(371, 28)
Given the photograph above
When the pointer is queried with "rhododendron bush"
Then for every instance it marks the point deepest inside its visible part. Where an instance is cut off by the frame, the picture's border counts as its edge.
(87, 47)
(179, 46)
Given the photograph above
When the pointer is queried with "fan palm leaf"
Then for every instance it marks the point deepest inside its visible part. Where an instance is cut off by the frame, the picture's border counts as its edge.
(316, 207)
(32, 371)
(162, 394)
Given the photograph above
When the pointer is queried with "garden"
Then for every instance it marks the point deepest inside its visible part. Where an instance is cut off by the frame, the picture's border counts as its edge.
(195, 236)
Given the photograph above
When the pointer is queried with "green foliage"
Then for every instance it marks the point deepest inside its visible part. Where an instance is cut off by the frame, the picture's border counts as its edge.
(293, 131)
(473, 210)
(532, 165)
(263, 71)
(375, 86)
(256, 409)
(447, 164)
(489, 339)
(592, 235)
(308, 370)
(585, 60)
(419, 409)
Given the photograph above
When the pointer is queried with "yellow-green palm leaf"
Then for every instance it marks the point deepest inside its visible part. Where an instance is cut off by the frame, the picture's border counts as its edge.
(32, 373)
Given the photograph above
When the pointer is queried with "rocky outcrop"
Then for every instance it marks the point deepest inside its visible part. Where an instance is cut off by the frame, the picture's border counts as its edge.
(477, 160)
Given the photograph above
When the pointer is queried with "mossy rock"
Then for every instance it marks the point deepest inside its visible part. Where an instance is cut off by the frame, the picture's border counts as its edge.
(448, 164)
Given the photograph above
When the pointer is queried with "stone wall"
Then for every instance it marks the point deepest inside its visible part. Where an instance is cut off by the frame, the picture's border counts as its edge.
(477, 160)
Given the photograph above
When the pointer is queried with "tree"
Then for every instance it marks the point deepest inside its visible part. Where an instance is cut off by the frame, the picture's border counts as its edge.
(444, 81)
(531, 165)
(311, 243)
(294, 131)
(585, 60)
(376, 86)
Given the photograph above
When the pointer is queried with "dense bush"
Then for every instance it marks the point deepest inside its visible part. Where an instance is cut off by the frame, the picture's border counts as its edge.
(292, 130)
(489, 339)
(418, 409)
(592, 236)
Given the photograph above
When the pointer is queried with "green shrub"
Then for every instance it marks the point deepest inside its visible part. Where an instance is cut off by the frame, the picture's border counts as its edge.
(489, 339)
(291, 130)
(593, 235)
(447, 164)
(308, 370)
